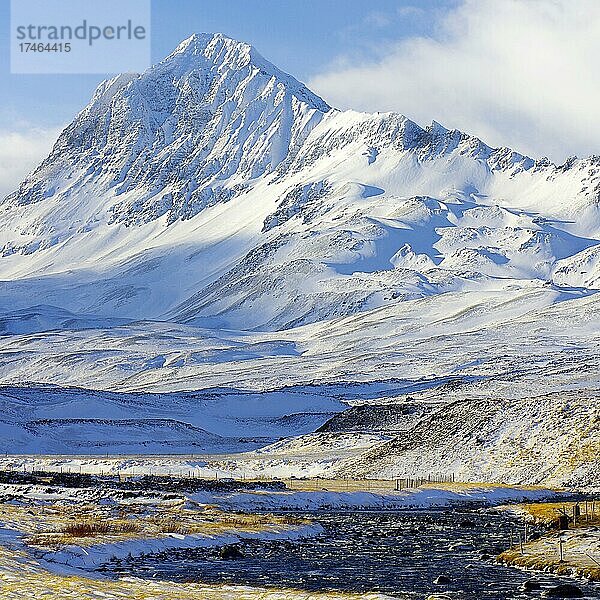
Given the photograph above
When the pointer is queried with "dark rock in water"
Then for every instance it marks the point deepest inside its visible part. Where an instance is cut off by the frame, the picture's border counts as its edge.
(484, 556)
(531, 585)
(467, 523)
(230, 553)
(442, 580)
(566, 590)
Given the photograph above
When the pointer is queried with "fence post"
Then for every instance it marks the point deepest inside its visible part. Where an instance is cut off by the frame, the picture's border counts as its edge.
(560, 549)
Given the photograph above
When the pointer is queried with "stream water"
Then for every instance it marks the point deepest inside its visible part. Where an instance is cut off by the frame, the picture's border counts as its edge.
(400, 554)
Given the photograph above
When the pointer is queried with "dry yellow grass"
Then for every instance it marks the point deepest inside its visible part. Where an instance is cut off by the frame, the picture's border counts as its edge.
(389, 485)
(53, 526)
(50, 527)
(341, 485)
(460, 486)
(548, 512)
(543, 555)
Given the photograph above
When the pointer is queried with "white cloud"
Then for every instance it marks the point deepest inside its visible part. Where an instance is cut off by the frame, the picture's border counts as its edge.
(520, 73)
(21, 150)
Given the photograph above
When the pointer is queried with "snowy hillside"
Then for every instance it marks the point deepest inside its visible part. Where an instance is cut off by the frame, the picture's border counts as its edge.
(212, 223)
(551, 439)
(49, 419)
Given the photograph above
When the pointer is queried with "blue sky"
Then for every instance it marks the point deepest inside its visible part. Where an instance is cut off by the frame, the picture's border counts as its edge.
(517, 73)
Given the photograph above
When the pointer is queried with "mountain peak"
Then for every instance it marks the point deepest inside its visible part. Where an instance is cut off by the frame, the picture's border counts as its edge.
(187, 133)
(204, 124)
(215, 45)
(220, 53)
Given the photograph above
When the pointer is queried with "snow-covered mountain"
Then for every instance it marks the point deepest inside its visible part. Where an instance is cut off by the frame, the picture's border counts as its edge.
(213, 222)
(215, 189)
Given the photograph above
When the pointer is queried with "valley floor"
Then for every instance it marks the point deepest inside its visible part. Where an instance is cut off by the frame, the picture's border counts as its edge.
(57, 530)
